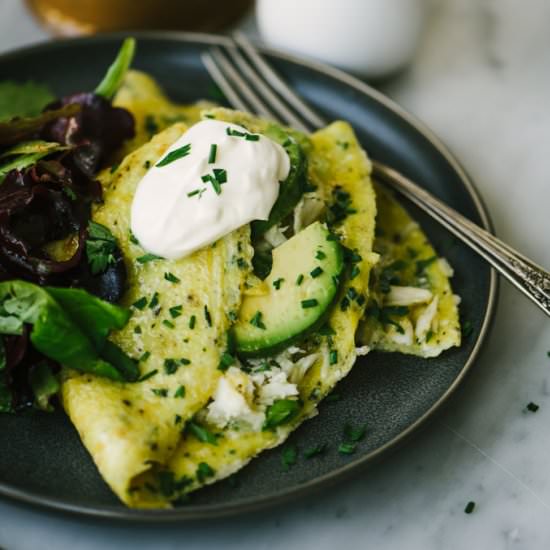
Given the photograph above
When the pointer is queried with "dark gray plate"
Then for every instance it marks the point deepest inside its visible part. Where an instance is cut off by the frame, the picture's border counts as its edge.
(42, 460)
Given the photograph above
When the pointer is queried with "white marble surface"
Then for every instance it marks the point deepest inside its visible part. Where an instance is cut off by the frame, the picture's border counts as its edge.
(481, 81)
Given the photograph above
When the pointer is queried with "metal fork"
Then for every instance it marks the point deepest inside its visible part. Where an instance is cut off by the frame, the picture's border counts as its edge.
(250, 84)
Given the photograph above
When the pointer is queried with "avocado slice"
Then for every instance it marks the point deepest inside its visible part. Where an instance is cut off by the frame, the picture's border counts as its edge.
(298, 293)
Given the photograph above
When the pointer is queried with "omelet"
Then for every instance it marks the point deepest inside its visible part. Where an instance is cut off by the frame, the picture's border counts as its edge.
(195, 419)
(338, 167)
(412, 308)
(181, 311)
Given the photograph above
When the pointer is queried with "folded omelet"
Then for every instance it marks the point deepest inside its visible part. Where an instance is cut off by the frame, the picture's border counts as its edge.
(195, 418)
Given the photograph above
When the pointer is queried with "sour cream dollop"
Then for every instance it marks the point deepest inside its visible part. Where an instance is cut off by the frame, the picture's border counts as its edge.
(214, 179)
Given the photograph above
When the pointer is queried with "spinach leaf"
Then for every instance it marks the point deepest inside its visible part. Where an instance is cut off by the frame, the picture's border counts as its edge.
(44, 385)
(5, 393)
(117, 71)
(100, 248)
(69, 326)
(23, 99)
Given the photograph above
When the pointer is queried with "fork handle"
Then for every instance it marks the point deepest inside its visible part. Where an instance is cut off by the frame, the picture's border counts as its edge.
(523, 273)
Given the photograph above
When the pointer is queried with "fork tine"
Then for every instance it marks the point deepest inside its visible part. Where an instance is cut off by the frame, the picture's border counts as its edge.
(285, 114)
(233, 77)
(219, 78)
(278, 83)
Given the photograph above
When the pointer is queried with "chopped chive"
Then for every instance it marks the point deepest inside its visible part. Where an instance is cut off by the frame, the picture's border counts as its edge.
(469, 507)
(185, 361)
(220, 175)
(332, 397)
(137, 329)
(316, 272)
(207, 316)
(177, 419)
(467, 329)
(175, 155)
(315, 451)
(288, 457)
(312, 302)
(252, 137)
(192, 322)
(320, 255)
(171, 277)
(154, 301)
(160, 392)
(141, 303)
(144, 356)
(114, 168)
(299, 279)
(354, 272)
(180, 392)
(201, 433)
(278, 282)
(421, 265)
(212, 154)
(354, 434)
(168, 323)
(146, 258)
(147, 375)
(533, 407)
(193, 193)
(347, 448)
(231, 132)
(175, 311)
(256, 320)
(132, 238)
(333, 357)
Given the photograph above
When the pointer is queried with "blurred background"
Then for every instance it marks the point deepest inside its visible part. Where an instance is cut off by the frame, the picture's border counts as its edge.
(372, 38)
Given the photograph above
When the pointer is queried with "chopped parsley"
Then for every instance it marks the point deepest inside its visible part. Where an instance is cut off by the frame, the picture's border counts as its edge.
(160, 392)
(316, 272)
(256, 321)
(312, 302)
(281, 412)
(204, 471)
(278, 282)
(341, 207)
(470, 507)
(299, 279)
(176, 154)
(171, 277)
(532, 407)
(212, 154)
(147, 375)
(288, 457)
(171, 366)
(192, 321)
(146, 258)
(175, 311)
(154, 301)
(140, 303)
(226, 360)
(180, 392)
(201, 433)
(100, 248)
